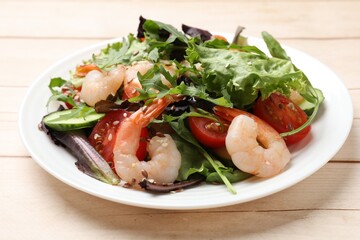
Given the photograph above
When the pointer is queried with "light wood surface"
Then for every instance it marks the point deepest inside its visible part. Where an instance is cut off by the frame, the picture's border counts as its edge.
(35, 205)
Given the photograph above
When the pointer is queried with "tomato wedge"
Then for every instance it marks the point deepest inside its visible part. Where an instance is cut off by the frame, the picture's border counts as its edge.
(283, 115)
(208, 132)
(103, 136)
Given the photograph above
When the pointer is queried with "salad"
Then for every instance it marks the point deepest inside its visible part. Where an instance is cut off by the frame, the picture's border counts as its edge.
(168, 109)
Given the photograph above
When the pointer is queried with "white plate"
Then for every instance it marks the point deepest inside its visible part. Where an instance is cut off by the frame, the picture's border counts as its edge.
(311, 154)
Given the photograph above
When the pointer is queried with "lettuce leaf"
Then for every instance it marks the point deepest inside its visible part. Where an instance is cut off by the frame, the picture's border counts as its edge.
(241, 76)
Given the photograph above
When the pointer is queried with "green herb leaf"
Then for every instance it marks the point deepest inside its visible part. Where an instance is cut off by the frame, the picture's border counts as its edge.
(55, 84)
(153, 29)
(274, 46)
(129, 50)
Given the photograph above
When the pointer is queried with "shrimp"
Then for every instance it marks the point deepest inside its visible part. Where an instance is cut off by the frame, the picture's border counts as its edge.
(131, 80)
(254, 146)
(165, 157)
(99, 85)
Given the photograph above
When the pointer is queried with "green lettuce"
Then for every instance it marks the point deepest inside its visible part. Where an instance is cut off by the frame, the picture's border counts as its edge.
(313, 97)
(240, 76)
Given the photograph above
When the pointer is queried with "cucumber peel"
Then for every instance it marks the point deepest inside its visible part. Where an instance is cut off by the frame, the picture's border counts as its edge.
(72, 119)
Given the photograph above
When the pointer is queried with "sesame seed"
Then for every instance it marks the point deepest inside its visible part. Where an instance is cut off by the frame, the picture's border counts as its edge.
(135, 53)
(291, 106)
(96, 136)
(110, 137)
(116, 123)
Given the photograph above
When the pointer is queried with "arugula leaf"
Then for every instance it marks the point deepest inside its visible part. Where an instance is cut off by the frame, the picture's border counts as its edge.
(55, 86)
(129, 50)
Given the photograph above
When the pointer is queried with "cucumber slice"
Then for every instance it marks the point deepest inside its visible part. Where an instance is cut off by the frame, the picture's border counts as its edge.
(71, 119)
(308, 107)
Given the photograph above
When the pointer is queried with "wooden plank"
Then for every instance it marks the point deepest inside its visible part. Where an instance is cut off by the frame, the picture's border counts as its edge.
(325, 204)
(350, 150)
(284, 19)
(25, 59)
(79, 223)
(341, 56)
(326, 189)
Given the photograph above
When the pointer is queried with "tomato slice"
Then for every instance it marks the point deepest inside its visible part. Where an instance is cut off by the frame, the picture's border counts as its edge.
(283, 115)
(208, 132)
(103, 136)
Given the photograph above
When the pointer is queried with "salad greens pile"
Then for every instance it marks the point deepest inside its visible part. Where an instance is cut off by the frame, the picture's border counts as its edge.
(215, 71)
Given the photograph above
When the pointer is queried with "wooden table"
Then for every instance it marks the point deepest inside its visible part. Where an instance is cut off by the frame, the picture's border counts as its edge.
(35, 205)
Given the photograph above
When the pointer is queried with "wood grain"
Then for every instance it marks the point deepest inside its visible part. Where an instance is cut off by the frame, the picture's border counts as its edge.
(306, 19)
